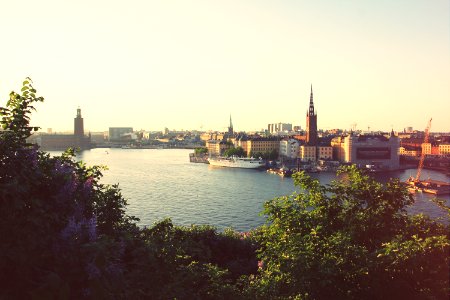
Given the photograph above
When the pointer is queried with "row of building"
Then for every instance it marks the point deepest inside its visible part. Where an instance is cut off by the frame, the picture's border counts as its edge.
(375, 150)
(428, 149)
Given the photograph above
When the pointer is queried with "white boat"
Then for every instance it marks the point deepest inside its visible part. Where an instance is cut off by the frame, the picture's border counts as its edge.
(236, 162)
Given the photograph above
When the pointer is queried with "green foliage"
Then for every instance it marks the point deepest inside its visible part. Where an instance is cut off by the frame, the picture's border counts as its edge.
(15, 116)
(269, 155)
(351, 239)
(64, 234)
(193, 263)
(200, 151)
(238, 151)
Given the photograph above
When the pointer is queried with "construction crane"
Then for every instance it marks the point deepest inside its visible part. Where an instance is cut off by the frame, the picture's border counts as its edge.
(422, 155)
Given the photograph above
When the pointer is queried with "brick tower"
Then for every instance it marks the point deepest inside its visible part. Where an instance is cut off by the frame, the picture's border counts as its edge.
(311, 123)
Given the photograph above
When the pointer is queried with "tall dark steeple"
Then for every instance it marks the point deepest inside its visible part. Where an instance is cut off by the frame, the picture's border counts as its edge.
(230, 128)
(78, 131)
(311, 104)
(311, 122)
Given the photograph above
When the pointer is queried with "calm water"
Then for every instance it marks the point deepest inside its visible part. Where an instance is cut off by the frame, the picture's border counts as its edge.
(163, 183)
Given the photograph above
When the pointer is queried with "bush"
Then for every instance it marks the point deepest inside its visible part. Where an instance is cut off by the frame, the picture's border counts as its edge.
(64, 234)
(351, 239)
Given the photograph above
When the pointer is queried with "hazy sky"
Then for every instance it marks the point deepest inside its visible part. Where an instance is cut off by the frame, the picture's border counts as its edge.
(190, 64)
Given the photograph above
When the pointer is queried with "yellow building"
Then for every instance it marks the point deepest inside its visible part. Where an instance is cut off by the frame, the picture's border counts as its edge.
(307, 153)
(444, 149)
(403, 151)
(325, 152)
(262, 145)
(216, 148)
(338, 147)
(206, 136)
(243, 143)
(426, 148)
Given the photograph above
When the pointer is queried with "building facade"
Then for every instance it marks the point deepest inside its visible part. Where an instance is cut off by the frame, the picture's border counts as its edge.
(216, 147)
(262, 145)
(77, 140)
(444, 149)
(289, 148)
(324, 152)
(374, 150)
(277, 128)
(119, 134)
(307, 153)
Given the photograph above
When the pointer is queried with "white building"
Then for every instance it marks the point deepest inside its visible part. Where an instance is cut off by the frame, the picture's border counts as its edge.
(276, 128)
(289, 148)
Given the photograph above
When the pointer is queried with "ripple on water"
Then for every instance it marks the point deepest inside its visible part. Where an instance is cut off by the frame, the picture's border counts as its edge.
(162, 183)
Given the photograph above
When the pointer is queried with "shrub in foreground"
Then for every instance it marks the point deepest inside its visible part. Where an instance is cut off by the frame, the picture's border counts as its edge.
(64, 234)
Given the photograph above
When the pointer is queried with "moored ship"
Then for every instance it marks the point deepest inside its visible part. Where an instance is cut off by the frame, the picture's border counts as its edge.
(236, 162)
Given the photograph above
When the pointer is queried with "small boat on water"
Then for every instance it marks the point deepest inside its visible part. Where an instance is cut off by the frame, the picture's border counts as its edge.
(283, 172)
(428, 186)
(236, 162)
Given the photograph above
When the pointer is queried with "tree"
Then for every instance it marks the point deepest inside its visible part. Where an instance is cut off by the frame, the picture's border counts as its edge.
(351, 239)
(238, 151)
(64, 234)
(58, 223)
(201, 151)
(270, 155)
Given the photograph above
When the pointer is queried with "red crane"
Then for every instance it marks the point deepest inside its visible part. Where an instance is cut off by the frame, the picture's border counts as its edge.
(422, 155)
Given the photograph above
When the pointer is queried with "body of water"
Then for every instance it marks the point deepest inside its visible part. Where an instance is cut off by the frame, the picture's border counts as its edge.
(163, 183)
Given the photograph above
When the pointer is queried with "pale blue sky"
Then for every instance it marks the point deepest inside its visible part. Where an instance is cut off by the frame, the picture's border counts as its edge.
(186, 64)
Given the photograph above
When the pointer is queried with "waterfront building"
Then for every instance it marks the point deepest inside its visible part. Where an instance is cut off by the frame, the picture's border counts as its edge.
(77, 140)
(99, 138)
(426, 148)
(338, 144)
(403, 151)
(242, 141)
(289, 148)
(120, 134)
(78, 125)
(311, 123)
(216, 147)
(262, 145)
(307, 153)
(324, 152)
(375, 150)
(444, 149)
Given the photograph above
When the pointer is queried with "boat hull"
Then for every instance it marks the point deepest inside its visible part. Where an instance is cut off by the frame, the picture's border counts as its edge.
(243, 163)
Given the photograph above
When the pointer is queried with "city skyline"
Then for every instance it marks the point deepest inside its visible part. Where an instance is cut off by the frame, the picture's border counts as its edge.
(180, 65)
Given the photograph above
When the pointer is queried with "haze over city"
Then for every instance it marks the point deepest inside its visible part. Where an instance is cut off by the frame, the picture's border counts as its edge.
(190, 64)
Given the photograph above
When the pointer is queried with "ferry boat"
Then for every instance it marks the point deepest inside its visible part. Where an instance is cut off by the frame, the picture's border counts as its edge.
(236, 162)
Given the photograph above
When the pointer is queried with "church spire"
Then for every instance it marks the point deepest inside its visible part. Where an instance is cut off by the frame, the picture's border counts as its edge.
(311, 103)
(230, 128)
